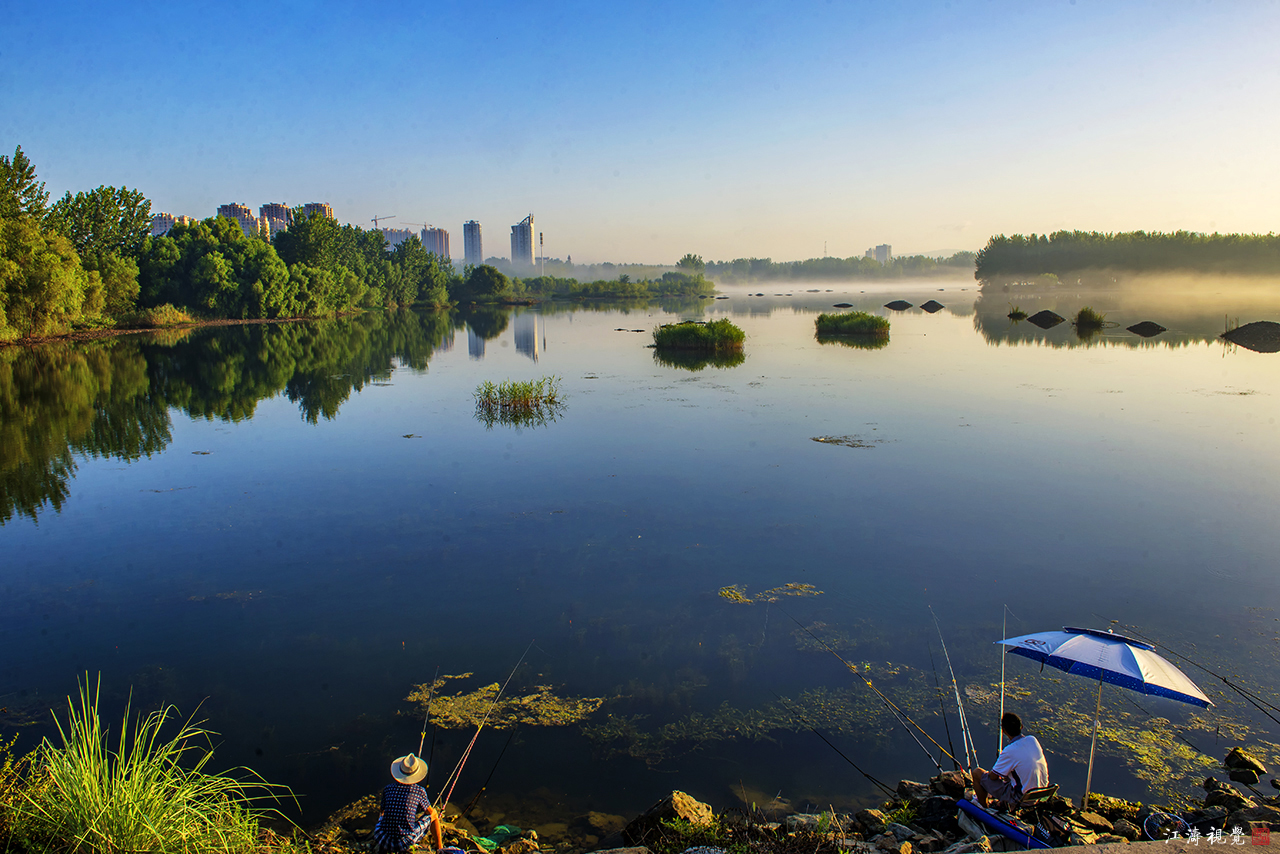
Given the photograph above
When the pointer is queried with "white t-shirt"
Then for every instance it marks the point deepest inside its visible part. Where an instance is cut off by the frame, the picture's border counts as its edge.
(1024, 758)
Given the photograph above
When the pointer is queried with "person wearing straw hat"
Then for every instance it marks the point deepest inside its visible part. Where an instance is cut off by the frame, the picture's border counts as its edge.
(399, 824)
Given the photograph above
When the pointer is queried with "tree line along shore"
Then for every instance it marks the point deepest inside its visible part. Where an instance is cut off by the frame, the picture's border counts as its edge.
(89, 262)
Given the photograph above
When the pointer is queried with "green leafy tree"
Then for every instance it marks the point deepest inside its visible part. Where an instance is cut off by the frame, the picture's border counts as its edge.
(105, 221)
(20, 194)
(485, 284)
(692, 263)
(43, 288)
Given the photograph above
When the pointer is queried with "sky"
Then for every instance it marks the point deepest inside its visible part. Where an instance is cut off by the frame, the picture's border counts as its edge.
(639, 132)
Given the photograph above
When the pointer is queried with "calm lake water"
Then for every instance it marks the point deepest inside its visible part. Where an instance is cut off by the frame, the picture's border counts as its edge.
(296, 524)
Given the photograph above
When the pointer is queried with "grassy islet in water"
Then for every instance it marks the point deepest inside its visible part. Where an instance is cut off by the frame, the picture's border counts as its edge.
(521, 403)
(852, 323)
(717, 336)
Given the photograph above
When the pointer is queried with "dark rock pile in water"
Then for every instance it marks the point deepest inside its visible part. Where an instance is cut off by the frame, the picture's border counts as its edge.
(1147, 329)
(1046, 319)
(1261, 336)
(898, 305)
(933, 306)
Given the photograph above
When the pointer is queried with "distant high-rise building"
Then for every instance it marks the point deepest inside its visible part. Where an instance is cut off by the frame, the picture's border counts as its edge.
(522, 243)
(277, 210)
(472, 253)
(436, 240)
(322, 208)
(396, 236)
(162, 222)
(884, 253)
(249, 223)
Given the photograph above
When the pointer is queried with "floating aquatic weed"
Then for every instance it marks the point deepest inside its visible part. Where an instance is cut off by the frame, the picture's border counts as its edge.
(737, 593)
(539, 708)
(847, 441)
(529, 403)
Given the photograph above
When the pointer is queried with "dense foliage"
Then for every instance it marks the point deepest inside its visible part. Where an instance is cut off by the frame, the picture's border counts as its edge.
(714, 336)
(852, 323)
(817, 269)
(1023, 257)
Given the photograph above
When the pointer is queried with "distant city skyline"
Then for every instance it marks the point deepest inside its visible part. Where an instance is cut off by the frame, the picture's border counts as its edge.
(639, 134)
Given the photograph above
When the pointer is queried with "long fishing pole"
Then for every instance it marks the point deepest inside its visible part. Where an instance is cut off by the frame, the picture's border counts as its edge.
(1253, 699)
(472, 802)
(452, 780)
(955, 685)
(937, 685)
(813, 730)
(1004, 635)
(902, 717)
(430, 696)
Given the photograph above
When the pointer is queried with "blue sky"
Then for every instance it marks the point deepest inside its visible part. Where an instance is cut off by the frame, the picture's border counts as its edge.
(639, 132)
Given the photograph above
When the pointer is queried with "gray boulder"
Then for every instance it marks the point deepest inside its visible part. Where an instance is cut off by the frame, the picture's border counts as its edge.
(1237, 759)
(676, 805)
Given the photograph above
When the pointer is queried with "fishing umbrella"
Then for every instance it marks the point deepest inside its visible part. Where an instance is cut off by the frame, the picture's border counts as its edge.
(1112, 658)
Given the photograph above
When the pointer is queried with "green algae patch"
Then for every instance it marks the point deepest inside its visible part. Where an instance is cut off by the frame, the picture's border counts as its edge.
(541, 707)
(737, 593)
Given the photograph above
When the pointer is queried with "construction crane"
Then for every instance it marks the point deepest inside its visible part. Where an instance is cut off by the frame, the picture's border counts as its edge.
(376, 218)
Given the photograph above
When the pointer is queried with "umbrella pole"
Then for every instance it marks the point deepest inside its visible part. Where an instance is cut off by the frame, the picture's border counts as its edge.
(1003, 649)
(1097, 715)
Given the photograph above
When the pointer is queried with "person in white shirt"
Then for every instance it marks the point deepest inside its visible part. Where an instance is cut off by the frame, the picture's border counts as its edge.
(1020, 767)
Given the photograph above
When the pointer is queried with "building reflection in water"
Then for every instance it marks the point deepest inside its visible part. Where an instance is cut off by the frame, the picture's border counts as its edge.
(475, 344)
(531, 334)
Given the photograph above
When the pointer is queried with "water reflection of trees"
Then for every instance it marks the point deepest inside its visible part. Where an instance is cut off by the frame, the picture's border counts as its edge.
(696, 360)
(857, 342)
(112, 398)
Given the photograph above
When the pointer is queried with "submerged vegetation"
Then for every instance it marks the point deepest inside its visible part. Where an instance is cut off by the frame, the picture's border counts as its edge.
(852, 323)
(519, 402)
(541, 707)
(716, 336)
(136, 790)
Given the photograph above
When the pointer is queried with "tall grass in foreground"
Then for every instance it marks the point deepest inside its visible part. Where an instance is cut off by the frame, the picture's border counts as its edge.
(852, 323)
(130, 793)
(528, 403)
(716, 336)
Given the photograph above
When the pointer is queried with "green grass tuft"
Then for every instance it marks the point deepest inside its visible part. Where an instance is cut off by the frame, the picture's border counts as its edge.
(135, 790)
(1087, 319)
(717, 336)
(852, 323)
(1016, 313)
(520, 403)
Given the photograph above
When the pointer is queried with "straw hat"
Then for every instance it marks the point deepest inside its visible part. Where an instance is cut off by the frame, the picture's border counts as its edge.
(408, 769)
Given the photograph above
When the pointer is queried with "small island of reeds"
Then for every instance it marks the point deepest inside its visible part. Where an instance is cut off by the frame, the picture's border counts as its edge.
(520, 403)
(852, 323)
(716, 336)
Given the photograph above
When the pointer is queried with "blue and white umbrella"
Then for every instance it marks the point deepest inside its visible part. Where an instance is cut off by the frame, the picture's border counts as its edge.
(1112, 658)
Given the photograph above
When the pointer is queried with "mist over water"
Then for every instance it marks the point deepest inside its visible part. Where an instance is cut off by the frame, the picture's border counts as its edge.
(297, 524)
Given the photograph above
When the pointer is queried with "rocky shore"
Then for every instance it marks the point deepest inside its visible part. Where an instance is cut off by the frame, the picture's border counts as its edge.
(920, 818)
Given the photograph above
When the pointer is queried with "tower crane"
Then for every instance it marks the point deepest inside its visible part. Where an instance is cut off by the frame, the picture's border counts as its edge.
(376, 218)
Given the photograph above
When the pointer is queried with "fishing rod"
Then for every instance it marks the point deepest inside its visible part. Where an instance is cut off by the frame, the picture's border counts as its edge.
(1253, 699)
(937, 685)
(801, 718)
(430, 696)
(452, 780)
(897, 712)
(1004, 650)
(472, 802)
(966, 737)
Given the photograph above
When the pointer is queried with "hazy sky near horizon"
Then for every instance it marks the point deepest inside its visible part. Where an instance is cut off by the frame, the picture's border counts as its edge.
(638, 132)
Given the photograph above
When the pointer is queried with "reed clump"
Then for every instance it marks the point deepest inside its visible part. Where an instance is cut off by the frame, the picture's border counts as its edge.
(716, 336)
(852, 323)
(136, 790)
(1016, 313)
(519, 402)
(1089, 320)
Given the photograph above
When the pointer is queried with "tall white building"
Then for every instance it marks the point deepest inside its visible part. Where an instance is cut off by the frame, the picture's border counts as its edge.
(436, 240)
(396, 236)
(522, 243)
(473, 251)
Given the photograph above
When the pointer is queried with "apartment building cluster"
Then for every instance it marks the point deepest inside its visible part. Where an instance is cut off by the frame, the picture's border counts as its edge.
(882, 253)
(273, 217)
